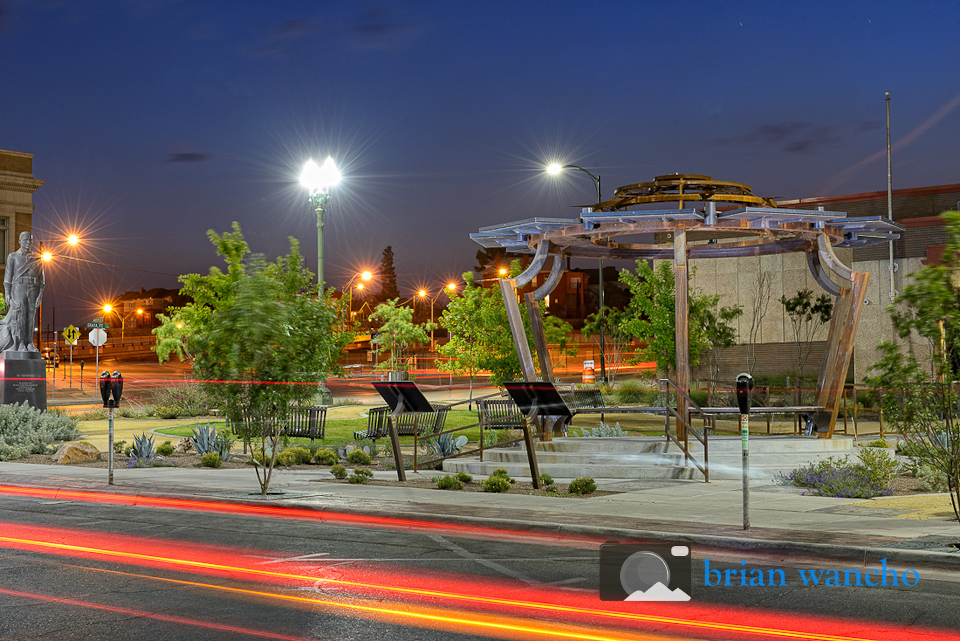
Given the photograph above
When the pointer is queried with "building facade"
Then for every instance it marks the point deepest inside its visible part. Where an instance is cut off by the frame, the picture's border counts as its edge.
(17, 186)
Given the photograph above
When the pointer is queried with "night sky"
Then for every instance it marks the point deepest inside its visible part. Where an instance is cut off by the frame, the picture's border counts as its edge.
(153, 121)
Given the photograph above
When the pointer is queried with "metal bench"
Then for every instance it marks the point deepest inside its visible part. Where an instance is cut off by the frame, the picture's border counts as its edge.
(586, 399)
(407, 424)
(308, 421)
(499, 414)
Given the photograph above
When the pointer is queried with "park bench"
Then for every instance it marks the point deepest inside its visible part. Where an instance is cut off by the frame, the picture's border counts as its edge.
(308, 421)
(586, 399)
(407, 424)
(499, 414)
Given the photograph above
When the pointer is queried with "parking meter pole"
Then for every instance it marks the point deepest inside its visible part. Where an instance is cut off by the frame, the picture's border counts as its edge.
(110, 446)
(744, 400)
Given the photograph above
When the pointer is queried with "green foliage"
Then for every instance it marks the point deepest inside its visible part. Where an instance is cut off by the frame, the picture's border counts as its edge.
(262, 331)
(464, 477)
(397, 332)
(582, 485)
(301, 455)
(144, 448)
(25, 430)
(118, 447)
(339, 471)
(211, 459)
(604, 431)
(615, 339)
(807, 315)
(933, 480)
(651, 315)
(326, 457)
(204, 438)
(448, 482)
(546, 479)
(636, 392)
(839, 478)
(176, 401)
(446, 445)
(358, 457)
(286, 458)
(502, 473)
(164, 449)
(498, 484)
(360, 475)
(877, 443)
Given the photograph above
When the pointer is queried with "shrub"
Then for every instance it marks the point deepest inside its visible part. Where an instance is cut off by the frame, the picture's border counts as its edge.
(25, 430)
(933, 480)
(339, 471)
(877, 443)
(496, 484)
(184, 399)
(360, 475)
(445, 445)
(301, 455)
(582, 485)
(164, 449)
(118, 447)
(502, 472)
(208, 439)
(546, 479)
(211, 459)
(636, 392)
(464, 477)
(448, 482)
(326, 457)
(841, 479)
(358, 457)
(285, 458)
(604, 431)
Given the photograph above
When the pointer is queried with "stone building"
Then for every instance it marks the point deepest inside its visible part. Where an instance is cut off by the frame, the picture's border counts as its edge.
(738, 279)
(17, 185)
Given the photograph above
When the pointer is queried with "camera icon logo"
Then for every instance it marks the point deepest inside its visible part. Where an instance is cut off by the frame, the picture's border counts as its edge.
(645, 572)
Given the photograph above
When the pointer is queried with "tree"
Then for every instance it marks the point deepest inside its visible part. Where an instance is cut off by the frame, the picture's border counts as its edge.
(462, 319)
(260, 338)
(758, 310)
(388, 276)
(720, 333)
(615, 338)
(807, 315)
(922, 407)
(397, 332)
(651, 315)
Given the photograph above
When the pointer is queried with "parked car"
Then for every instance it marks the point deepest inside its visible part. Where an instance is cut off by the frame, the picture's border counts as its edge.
(51, 357)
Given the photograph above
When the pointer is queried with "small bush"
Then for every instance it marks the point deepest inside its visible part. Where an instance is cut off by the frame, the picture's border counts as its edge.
(358, 457)
(25, 430)
(118, 446)
(211, 459)
(464, 477)
(362, 471)
(164, 449)
(841, 479)
(604, 431)
(360, 475)
(448, 482)
(497, 484)
(326, 457)
(143, 447)
(175, 401)
(637, 393)
(933, 480)
(285, 458)
(546, 479)
(582, 485)
(301, 455)
(502, 473)
(339, 471)
(877, 443)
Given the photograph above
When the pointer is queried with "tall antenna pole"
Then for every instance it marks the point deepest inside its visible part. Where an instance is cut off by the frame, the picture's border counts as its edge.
(893, 289)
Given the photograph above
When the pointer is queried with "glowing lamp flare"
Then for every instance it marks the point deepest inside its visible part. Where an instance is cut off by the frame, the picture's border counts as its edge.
(554, 168)
(319, 178)
(73, 240)
(366, 275)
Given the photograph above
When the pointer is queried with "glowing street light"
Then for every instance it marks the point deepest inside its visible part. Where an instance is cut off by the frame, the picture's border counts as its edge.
(108, 308)
(554, 169)
(319, 181)
(450, 288)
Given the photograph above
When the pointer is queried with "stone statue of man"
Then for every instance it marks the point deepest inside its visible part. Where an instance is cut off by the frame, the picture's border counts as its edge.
(23, 287)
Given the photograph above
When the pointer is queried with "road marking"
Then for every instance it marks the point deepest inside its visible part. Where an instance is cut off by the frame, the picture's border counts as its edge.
(493, 565)
(303, 557)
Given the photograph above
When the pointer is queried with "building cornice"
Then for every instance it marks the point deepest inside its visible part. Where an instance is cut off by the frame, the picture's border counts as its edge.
(20, 183)
(870, 195)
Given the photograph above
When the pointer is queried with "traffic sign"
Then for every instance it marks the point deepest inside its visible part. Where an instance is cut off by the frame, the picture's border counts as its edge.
(98, 319)
(71, 334)
(97, 337)
(98, 325)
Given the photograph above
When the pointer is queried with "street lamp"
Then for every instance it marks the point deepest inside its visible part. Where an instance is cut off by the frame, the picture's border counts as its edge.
(554, 169)
(450, 288)
(349, 287)
(107, 309)
(319, 180)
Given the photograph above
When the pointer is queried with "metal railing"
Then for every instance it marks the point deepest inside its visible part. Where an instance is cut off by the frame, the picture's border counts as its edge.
(665, 386)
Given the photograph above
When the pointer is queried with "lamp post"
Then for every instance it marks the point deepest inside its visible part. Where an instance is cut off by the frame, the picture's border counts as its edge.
(365, 275)
(450, 288)
(554, 169)
(319, 181)
(107, 309)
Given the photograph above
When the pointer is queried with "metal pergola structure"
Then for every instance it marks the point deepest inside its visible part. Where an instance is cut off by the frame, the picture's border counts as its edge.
(744, 225)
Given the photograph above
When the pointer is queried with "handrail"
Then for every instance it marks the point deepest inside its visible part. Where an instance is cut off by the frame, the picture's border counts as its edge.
(665, 385)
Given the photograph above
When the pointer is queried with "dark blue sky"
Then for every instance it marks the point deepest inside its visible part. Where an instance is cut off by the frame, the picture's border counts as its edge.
(153, 121)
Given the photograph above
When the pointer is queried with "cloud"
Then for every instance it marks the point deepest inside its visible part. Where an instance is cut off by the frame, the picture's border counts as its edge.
(188, 156)
(794, 137)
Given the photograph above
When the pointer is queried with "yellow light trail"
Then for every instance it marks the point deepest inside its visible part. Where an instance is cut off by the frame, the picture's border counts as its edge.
(545, 607)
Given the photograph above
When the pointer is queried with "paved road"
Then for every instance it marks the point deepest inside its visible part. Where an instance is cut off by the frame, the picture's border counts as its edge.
(87, 570)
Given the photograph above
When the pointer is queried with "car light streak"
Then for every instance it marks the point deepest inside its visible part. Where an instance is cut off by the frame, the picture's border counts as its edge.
(700, 617)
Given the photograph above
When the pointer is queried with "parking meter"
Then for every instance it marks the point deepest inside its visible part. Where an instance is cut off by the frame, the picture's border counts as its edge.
(111, 388)
(744, 392)
(106, 387)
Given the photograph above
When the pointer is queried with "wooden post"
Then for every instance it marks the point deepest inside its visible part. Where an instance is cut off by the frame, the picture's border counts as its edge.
(539, 336)
(682, 310)
(508, 289)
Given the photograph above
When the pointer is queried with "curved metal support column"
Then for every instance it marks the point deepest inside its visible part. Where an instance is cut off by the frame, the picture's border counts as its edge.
(830, 260)
(820, 274)
(556, 271)
(508, 289)
(535, 265)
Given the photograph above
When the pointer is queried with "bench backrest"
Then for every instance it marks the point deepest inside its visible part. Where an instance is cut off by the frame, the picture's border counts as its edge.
(500, 414)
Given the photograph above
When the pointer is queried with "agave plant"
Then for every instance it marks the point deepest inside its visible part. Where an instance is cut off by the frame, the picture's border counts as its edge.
(445, 445)
(144, 448)
(222, 444)
(204, 439)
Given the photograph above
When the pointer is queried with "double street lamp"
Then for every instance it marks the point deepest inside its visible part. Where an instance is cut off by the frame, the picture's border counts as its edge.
(450, 288)
(554, 169)
(108, 309)
(319, 181)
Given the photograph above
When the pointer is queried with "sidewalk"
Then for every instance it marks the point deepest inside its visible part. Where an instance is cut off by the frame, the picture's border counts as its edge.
(705, 514)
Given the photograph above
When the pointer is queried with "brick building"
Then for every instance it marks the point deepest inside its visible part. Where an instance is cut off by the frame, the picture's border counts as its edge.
(17, 186)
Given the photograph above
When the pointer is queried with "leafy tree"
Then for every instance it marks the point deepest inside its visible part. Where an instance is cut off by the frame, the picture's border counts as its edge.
(616, 340)
(721, 334)
(924, 407)
(807, 315)
(258, 336)
(466, 346)
(651, 315)
(398, 332)
(388, 276)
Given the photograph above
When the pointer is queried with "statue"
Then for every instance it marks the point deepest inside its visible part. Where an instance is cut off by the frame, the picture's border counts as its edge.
(23, 287)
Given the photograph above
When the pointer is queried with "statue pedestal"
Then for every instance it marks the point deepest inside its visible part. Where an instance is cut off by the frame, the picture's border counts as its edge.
(23, 377)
